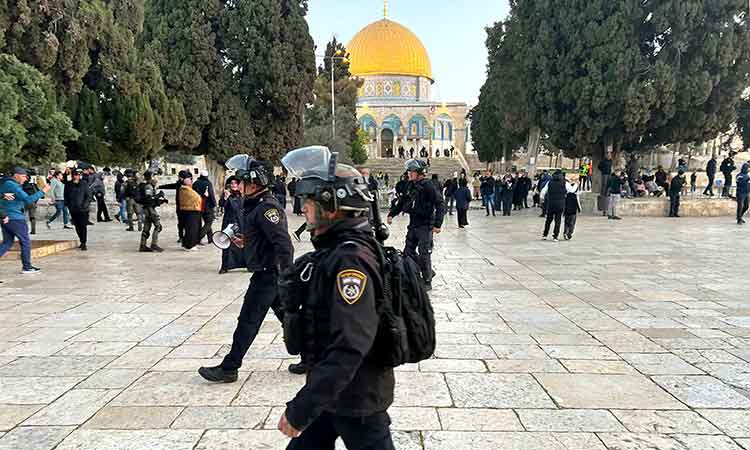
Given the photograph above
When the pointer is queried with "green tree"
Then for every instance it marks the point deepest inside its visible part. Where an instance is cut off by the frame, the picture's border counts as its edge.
(32, 129)
(359, 148)
(268, 52)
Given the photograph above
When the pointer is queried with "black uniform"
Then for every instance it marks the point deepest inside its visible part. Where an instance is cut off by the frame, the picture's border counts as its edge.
(268, 250)
(426, 209)
(727, 167)
(711, 173)
(346, 393)
(675, 189)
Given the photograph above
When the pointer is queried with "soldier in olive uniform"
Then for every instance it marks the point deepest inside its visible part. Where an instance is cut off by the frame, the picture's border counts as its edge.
(151, 199)
(134, 211)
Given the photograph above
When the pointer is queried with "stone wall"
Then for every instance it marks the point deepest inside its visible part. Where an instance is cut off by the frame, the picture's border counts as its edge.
(659, 207)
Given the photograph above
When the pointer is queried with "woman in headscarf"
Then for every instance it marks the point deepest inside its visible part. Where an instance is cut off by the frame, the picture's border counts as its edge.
(231, 201)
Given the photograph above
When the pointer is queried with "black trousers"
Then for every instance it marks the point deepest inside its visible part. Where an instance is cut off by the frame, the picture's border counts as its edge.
(507, 203)
(180, 225)
(80, 221)
(102, 213)
(556, 216)
(570, 225)
(358, 433)
(674, 204)
(727, 191)
(462, 219)
(208, 220)
(192, 223)
(261, 295)
(710, 188)
(450, 201)
(742, 205)
(419, 246)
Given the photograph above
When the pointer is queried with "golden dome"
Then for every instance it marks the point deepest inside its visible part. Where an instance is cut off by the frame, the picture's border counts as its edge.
(386, 47)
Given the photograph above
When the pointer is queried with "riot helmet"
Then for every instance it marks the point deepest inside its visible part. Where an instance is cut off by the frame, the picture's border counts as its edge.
(416, 165)
(250, 170)
(333, 186)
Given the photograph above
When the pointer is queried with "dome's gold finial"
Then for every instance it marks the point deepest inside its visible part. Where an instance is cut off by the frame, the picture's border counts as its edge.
(385, 9)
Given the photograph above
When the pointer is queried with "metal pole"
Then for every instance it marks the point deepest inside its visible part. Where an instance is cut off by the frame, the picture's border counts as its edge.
(333, 104)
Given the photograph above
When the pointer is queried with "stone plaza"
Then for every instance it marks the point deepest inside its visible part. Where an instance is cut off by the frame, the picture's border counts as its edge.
(635, 335)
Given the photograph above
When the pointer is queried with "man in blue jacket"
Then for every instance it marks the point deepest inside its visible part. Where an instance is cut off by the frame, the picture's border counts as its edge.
(13, 202)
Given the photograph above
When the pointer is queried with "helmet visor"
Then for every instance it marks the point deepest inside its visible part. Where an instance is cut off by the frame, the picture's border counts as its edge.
(308, 162)
(238, 162)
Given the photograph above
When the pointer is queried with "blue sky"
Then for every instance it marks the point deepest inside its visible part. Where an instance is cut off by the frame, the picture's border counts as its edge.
(452, 31)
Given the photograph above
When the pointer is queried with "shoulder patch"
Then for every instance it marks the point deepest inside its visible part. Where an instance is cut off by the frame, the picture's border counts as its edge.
(351, 284)
(273, 215)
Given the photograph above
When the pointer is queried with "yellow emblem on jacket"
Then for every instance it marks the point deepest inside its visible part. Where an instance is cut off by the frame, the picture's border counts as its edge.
(351, 284)
(273, 216)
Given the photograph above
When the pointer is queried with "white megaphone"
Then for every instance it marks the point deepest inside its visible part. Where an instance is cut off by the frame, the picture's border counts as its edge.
(223, 239)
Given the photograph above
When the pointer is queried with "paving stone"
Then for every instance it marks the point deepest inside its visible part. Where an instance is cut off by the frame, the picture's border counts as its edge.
(519, 352)
(497, 391)
(452, 440)
(176, 389)
(73, 408)
(12, 415)
(606, 391)
(464, 351)
(34, 438)
(478, 419)
(215, 417)
(40, 348)
(698, 442)
(452, 365)
(269, 389)
(598, 367)
(242, 440)
(133, 417)
(525, 366)
(422, 389)
(569, 420)
(55, 366)
(34, 390)
(579, 352)
(140, 358)
(96, 349)
(131, 440)
(640, 441)
(112, 378)
(195, 351)
(414, 419)
(735, 423)
(660, 364)
(664, 422)
(702, 391)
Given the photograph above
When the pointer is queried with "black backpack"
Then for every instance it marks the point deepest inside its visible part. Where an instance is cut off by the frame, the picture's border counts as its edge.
(139, 196)
(406, 333)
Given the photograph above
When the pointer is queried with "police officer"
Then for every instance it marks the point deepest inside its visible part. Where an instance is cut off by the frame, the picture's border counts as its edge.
(425, 207)
(347, 393)
(267, 250)
(151, 200)
(133, 208)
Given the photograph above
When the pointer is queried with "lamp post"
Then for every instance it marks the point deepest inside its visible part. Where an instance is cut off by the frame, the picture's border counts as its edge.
(344, 60)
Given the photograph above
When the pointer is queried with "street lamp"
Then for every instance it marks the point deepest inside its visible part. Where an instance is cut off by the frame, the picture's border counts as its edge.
(338, 56)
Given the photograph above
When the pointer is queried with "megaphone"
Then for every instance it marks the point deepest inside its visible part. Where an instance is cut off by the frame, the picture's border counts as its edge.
(223, 239)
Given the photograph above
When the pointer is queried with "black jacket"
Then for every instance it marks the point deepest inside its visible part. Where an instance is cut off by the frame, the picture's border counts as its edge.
(423, 203)
(342, 379)
(487, 187)
(451, 186)
(266, 235)
(119, 192)
(675, 187)
(605, 166)
(556, 193)
(77, 196)
(727, 166)
(711, 168)
(571, 204)
(201, 185)
(176, 186)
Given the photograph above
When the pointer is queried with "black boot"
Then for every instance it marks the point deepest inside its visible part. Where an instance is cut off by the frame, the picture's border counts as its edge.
(298, 369)
(218, 374)
(83, 247)
(156, 248)
(145, 249)
(130, 228)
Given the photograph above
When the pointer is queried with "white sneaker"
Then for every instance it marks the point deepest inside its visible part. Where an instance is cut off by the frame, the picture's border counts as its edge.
(544, 238)
(31, 270)
(555, 240)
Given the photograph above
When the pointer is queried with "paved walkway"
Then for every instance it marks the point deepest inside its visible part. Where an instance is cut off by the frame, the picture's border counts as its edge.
(635, 335)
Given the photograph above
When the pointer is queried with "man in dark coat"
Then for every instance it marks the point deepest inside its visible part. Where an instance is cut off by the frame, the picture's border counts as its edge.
(205, 189)
(554, 196)
(675, 189)
(727, 167)
(711, 174)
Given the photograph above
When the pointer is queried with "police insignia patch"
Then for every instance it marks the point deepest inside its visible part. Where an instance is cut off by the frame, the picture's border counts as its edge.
(351, 284)
(273, 215)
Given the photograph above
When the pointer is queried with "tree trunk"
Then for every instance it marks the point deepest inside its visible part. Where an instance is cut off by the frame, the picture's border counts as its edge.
(532, 148)
(216, 174)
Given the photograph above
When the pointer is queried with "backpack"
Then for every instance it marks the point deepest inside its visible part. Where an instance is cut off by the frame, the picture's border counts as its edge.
(406, 332)
(139, 196)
